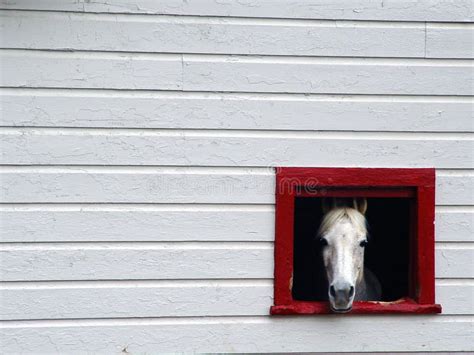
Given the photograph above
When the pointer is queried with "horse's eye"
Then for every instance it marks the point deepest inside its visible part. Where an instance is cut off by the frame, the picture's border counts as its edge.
(363, 243)
(323, 242)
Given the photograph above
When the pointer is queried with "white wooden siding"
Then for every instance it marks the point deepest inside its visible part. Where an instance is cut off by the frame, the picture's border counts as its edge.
(327, 75)
(101, 261)
(232, 148)
(198, 222)
(91, 70)
(448, 41)
(201, 35)
(152, 299)
(117, 222)
(398, 10)
(242, 36)
(194, 72)
(177, 185)
(454, 225)
(148, 260)
(249, 334)
(148, 109)
(137, 145)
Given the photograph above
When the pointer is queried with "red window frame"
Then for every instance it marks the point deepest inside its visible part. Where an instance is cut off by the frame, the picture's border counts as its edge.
(416, 184)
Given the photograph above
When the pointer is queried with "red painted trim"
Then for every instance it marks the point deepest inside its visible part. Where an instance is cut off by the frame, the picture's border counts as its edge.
(284, 252)
(358, 192)
(415, 184)
(426, 243)
(413, 257)
(361, 177)
(397, 307)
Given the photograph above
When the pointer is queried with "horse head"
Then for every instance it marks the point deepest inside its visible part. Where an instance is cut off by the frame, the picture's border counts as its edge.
(343, 236)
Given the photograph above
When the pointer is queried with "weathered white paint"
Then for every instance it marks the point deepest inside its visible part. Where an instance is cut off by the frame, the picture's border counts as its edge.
(114, 223)
(149, 260)
(243, 334)
(68, 108)
(232, 148)
(102, 261)
(91, 70)
(111, 299)
(205, 35)
(110, 241)
(397, 10)
(454, 189)
(234, 36)
(455, 225)
(177, 185)
(449, 41)
(131, 186)
(455, 260)
(328, 75)
(456, 296)
(193, 72)
(117, 223)
(137, 299)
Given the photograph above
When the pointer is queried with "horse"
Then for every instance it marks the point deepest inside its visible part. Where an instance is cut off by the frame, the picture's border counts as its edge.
(343, 236)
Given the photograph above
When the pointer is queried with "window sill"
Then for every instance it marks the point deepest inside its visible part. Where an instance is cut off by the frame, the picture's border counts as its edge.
(402, 306)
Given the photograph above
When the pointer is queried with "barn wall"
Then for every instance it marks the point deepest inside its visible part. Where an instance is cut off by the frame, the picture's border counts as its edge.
(137, 199)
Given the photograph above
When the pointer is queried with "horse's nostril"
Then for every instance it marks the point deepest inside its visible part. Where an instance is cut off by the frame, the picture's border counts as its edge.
(332, 291)
(351, 291)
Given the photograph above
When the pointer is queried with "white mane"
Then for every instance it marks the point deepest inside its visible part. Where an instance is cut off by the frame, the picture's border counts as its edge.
(336, 215)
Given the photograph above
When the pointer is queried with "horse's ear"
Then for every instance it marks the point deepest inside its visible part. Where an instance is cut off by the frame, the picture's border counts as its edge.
(360, 204)
(327, 204)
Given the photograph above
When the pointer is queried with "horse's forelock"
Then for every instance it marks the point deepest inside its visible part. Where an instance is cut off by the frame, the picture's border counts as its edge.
(336, 215)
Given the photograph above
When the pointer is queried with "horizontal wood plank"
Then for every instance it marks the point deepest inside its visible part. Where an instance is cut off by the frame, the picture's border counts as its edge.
(399, 10)
(220, 223)
(166, 261)
(329, 75)
(178, 185)
(98, 147)
(457, 261)
(49, 108)
(455, 226)
(219, 298)
(237, 74)
(59, 31)
(133, 187)
(456, 298)
(48, 30)
(245, 335)
(449, 41)
(91, 70)
(455, 189)
(200, 299)
(155, 261)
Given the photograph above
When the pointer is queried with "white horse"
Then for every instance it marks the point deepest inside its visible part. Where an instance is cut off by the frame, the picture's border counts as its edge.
(343, 236)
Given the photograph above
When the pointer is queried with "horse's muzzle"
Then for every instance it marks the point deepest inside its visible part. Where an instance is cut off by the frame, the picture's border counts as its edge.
(346, 310)
(341, 295)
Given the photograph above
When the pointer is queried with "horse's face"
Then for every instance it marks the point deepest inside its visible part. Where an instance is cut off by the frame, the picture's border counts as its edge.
(343, 254)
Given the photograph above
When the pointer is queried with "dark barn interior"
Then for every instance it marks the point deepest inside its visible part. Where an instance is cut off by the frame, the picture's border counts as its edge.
(387, 253)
